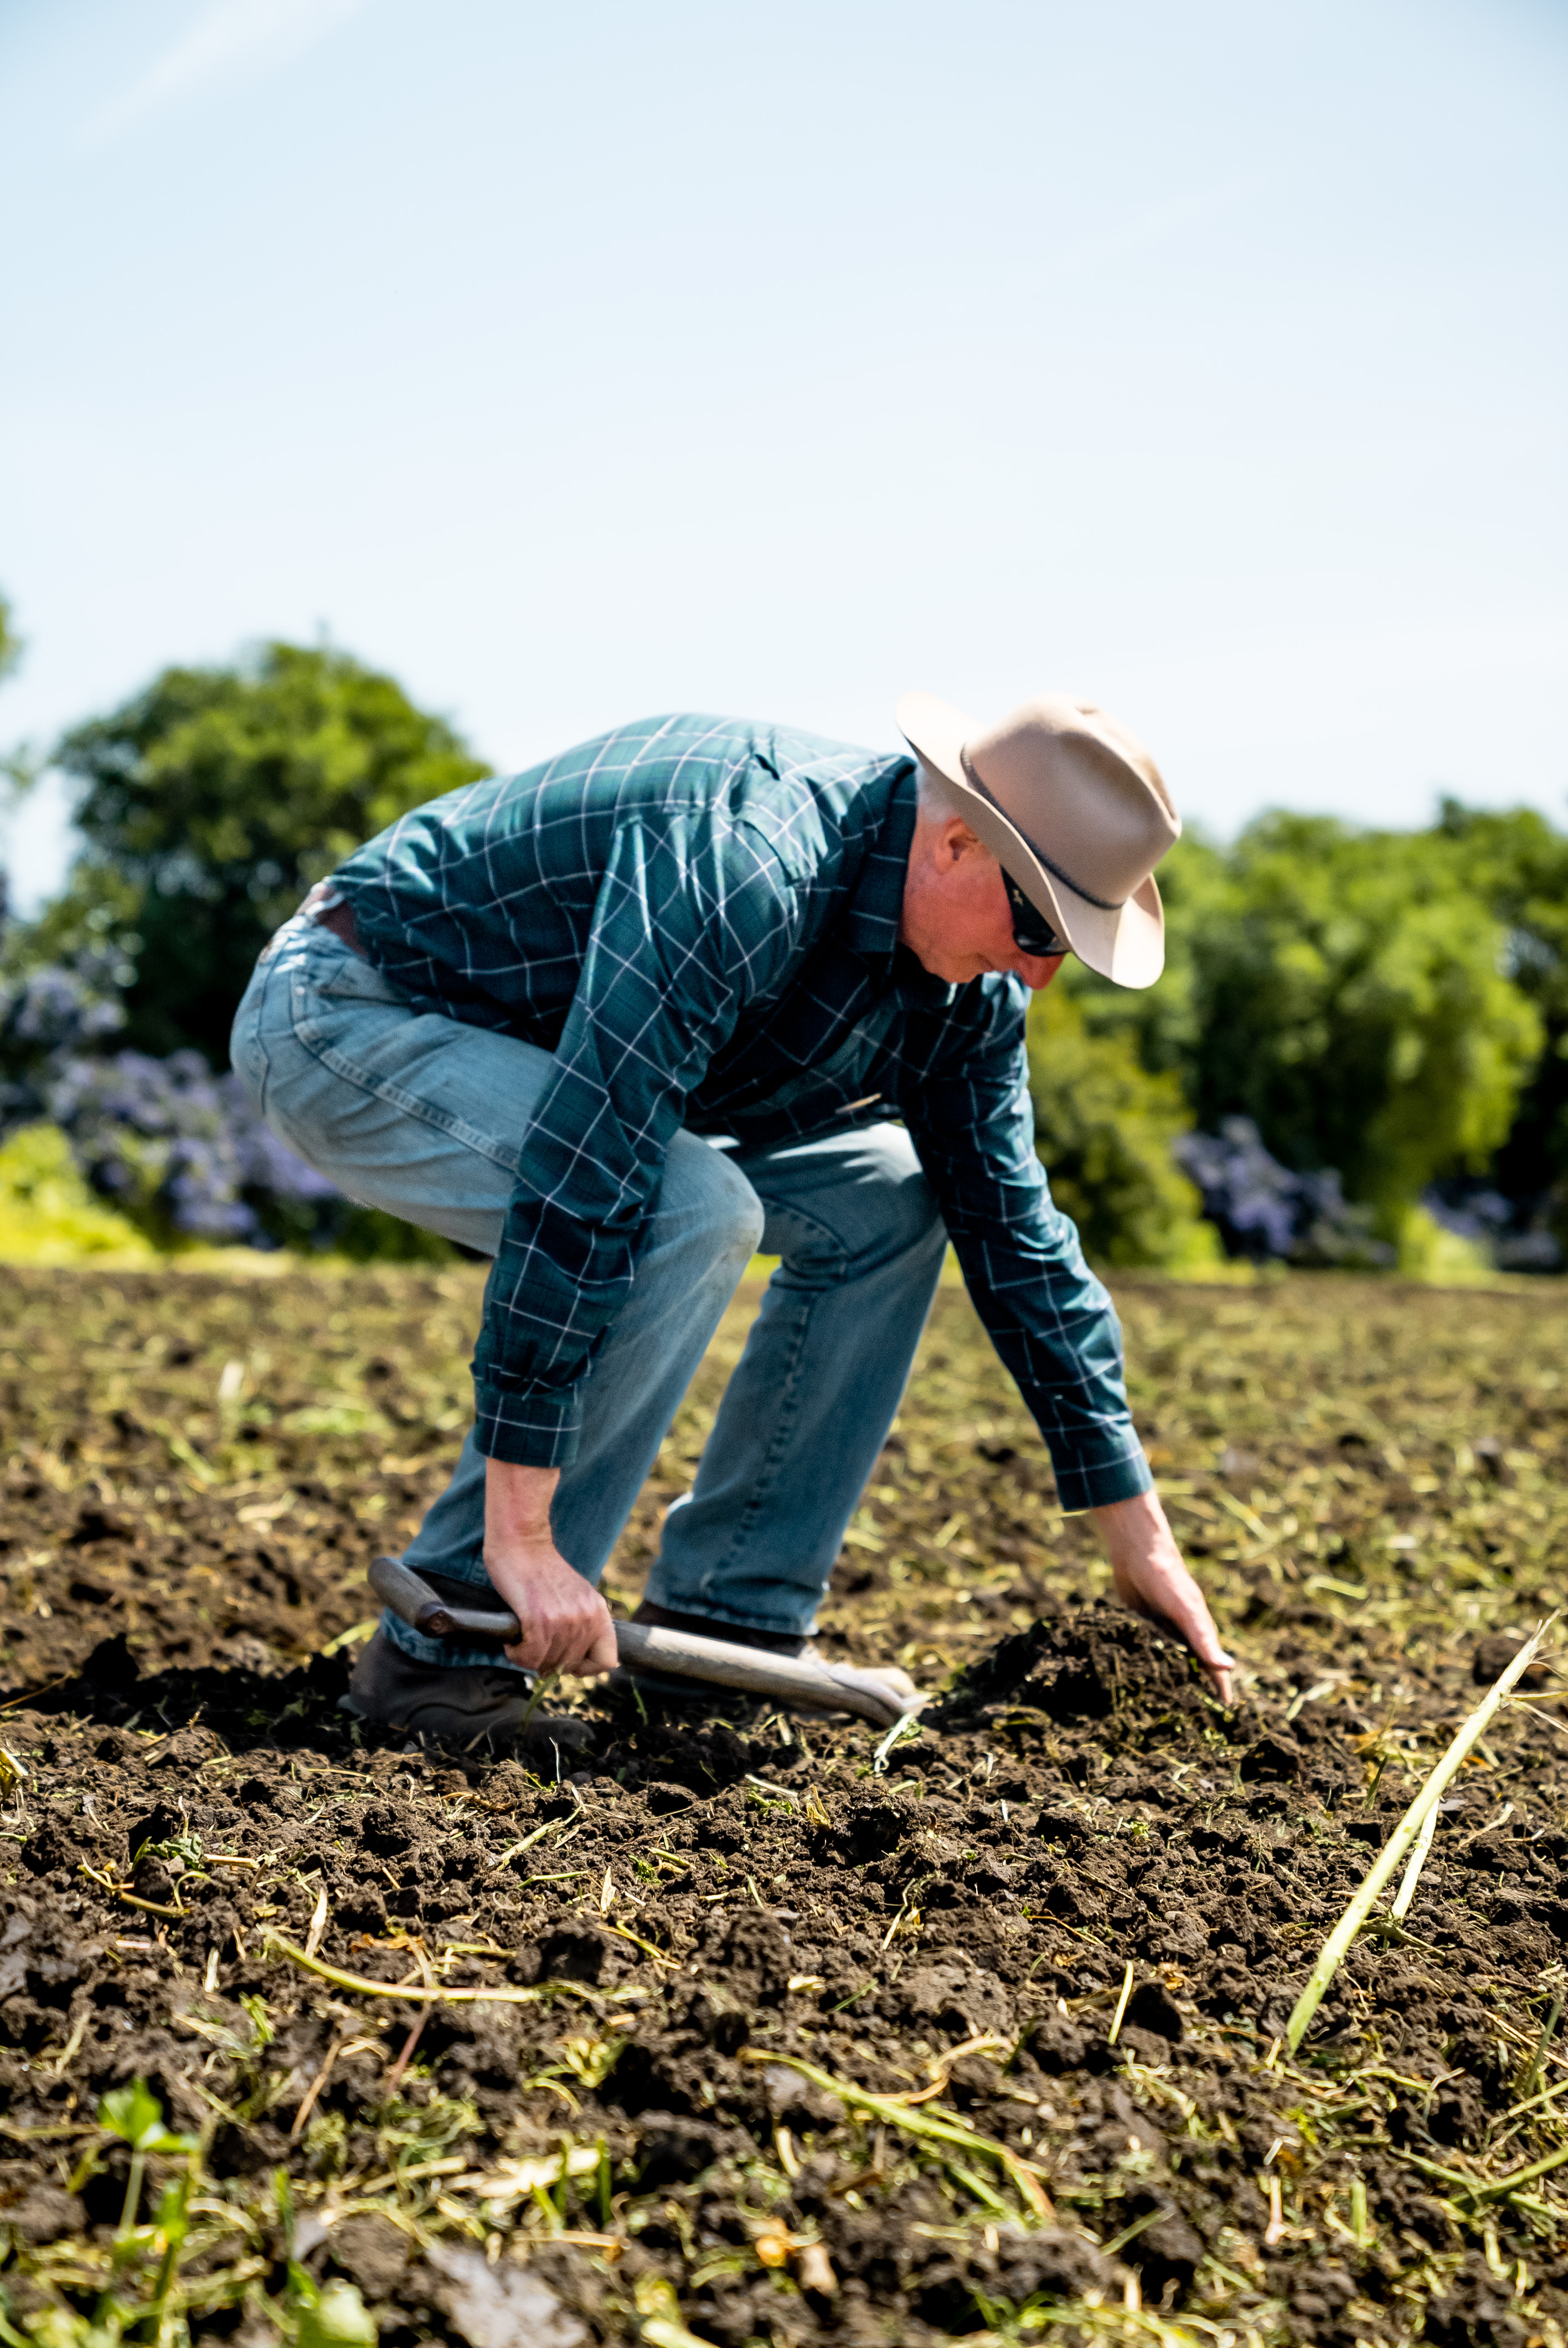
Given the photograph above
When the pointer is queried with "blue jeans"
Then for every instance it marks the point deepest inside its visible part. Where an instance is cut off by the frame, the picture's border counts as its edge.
(425, 1117)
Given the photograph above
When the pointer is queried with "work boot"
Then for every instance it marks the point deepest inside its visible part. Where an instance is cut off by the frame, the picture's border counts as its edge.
(460, 1704)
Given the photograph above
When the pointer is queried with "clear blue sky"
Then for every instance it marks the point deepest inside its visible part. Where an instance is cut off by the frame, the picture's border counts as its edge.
(576, 362)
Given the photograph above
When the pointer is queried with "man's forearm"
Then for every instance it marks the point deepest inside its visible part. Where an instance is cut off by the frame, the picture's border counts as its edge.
(566, 1624)
(517, 1501)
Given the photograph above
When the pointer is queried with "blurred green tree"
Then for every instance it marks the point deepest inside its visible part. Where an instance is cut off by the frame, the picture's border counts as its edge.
(210, 803)
(10, 644)
(1354, 992)
(1354, 1002)
(1516, 864)
(1103, 1129)
(18, 768)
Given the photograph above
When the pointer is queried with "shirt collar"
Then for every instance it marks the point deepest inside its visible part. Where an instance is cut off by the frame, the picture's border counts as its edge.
(876, 907)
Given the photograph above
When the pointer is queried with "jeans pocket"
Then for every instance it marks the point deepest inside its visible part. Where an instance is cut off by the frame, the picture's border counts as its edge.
(349, 978)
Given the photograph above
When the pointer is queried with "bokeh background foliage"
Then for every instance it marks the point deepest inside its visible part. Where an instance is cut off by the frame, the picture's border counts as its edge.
(1386, 1007)
(211, 802)
(1357, 1055)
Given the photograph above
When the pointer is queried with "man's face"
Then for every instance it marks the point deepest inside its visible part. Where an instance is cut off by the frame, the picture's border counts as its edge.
(956, 920)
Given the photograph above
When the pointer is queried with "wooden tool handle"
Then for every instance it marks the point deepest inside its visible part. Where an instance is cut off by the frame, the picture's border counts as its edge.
(414, 1601)
(788, 1679)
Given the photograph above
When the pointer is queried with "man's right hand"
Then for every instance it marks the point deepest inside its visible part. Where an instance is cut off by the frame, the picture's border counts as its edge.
(566, 1622)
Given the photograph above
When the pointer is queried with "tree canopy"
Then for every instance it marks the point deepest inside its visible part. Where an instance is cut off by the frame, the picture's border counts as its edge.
(215, 797)
(1105, 1127)
(1350, 992)
(18, 764)
(1518, 865)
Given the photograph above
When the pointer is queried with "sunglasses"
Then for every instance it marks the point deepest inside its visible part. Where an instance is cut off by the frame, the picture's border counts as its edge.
(1031, 933)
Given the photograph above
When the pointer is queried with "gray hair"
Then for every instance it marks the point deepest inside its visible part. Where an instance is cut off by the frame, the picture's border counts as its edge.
(935, 806)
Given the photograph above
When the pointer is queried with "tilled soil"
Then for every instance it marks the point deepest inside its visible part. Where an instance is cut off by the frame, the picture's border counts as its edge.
(723, 2027)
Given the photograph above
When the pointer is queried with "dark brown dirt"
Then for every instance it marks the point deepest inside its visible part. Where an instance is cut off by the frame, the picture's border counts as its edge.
(697, 1918)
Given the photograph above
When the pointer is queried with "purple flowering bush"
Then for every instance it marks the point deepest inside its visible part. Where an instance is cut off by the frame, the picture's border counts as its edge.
(1515, 1234)
(182, 1152)
(1264, 1212)
(59, 1007)
(179, 1151)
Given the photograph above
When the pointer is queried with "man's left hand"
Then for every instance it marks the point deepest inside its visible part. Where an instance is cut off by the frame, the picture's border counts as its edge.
(1153, 1580)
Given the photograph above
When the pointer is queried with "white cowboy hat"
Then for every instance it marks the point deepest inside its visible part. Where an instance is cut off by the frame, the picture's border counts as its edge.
(1073, 805)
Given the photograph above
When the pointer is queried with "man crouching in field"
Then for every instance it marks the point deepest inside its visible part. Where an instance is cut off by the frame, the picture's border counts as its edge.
(688, 991)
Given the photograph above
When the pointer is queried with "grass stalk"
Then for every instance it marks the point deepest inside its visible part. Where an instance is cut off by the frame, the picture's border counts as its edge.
(661, 1957)
(1401, 1907)
(514, 1850)
(542, 1684)
(1481, 2188)
(1532, 2080)
(905, 1726)
(1469, 1735)
(979, 2190)
(1117, 2018)
(1525, 2176)
(934, 2128)
(416, 1994)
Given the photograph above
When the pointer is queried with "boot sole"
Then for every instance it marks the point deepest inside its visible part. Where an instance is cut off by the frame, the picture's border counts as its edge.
(546, 1727)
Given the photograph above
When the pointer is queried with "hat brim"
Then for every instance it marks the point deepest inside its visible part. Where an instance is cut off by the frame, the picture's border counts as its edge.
(1126, 944)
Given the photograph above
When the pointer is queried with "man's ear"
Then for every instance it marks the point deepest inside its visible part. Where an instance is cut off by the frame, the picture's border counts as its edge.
(955, 842)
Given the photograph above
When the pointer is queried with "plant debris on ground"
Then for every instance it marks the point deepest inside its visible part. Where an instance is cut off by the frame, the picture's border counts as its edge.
(729, 2028)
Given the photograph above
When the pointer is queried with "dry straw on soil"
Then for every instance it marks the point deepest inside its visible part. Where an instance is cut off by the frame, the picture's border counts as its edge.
(715, 2030)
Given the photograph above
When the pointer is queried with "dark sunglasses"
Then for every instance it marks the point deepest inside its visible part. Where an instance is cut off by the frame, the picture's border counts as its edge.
(1031, 933)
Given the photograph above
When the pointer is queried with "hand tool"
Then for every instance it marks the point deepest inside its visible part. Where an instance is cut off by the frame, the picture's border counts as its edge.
(882, 1697)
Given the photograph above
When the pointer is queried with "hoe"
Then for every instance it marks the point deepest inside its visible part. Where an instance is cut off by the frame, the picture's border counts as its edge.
(882, 1697)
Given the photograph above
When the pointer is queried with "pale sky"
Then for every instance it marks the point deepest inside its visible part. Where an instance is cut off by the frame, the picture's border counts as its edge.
(579, 362)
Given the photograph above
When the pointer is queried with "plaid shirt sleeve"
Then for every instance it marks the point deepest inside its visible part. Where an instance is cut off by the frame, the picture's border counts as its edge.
(695, 917)
(1053, 1323)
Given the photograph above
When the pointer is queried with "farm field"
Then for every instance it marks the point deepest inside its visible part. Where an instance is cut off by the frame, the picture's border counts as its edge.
(711, 2029)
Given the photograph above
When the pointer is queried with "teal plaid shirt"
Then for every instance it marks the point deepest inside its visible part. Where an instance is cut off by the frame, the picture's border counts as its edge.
(699, 917)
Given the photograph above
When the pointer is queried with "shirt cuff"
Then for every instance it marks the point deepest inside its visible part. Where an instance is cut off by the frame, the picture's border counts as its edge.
(526, 1430)
(1081, 1484)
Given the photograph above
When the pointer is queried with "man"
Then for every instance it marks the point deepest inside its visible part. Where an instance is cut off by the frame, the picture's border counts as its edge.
(620, 1021)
